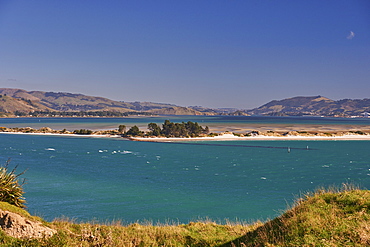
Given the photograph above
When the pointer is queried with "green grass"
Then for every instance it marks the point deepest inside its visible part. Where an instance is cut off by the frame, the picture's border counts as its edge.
(324, 218)
(87, 234)
(327, 217)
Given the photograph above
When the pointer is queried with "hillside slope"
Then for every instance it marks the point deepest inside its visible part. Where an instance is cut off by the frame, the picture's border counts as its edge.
(314, 105)
(177, 110)
(29, 101)
(9, 105)
(65, 102)
(325, 218)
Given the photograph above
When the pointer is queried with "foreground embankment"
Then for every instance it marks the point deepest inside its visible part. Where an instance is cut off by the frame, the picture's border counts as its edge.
(324, 218)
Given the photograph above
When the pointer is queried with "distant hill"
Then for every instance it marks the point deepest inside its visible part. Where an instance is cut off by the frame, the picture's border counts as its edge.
(314, 105)
(12, 105)
(218, 111)
(177, 110)
(68, 102)
(14, 101)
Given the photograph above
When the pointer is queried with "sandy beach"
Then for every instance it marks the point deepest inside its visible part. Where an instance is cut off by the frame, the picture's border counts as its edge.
(226, 133)
(221, 137)
(58, 134)
(281, 128)
(231, 137)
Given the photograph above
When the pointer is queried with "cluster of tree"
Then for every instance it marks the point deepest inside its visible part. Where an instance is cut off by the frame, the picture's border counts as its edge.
(19, 113)
(83, 132)
(81, 113)
(170, 129)
(27, 100)
(134, 131)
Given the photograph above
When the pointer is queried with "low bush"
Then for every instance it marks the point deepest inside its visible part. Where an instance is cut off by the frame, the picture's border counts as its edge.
(11, 190)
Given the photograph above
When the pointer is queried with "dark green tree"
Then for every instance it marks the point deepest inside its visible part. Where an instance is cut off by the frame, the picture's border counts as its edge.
(134, 131)
(193, 128)
(82, 132)
(122, 128)
(155, 130)
(171, 129)
(167, 127)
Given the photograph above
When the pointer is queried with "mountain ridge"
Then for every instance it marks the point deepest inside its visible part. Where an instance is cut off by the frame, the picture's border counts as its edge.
(15, 101)
(313, 106)
(65, 102)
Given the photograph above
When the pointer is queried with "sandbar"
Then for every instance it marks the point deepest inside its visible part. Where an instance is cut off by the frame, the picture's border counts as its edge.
(226, 133)
(231, 137)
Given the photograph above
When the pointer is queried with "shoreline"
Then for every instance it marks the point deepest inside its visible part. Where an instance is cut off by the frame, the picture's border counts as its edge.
(225, 137)
(60, 134)
(230, 137)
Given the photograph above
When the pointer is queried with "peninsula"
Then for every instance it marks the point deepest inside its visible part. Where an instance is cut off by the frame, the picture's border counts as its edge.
(194, 132)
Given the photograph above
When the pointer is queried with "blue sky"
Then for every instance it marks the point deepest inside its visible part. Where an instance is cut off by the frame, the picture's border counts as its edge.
(229, 53)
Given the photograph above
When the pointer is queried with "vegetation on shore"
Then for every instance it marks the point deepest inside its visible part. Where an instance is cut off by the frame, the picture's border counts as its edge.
(327, 217)
(170, 129)
(188, 129)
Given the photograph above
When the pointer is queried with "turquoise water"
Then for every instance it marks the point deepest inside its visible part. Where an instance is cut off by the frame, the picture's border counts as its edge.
(107, 179)
(110, 179)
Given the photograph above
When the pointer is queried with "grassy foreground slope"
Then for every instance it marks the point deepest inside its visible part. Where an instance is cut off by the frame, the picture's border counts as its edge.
(323, 218)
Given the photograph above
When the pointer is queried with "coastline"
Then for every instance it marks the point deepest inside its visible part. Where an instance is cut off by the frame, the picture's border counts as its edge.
(221, 137)
(338, 133)
(59, 134)
(230, 137)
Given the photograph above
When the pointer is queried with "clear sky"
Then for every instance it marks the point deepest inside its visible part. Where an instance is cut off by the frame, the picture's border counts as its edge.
(212, 53)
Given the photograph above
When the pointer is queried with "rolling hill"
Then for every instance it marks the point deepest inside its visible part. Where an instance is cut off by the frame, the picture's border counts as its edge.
(68, 102)
(314, 106)
(10, 105)
(21, 101)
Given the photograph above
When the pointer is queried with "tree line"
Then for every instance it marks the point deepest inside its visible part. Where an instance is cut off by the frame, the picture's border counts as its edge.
(169, 129)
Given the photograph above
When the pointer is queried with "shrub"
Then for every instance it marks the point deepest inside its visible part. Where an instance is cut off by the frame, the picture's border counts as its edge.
(83, 132)
(11, 190)
(134, 131)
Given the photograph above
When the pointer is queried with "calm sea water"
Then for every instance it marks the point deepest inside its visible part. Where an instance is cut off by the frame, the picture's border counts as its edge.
(108, 179)
(228, 122)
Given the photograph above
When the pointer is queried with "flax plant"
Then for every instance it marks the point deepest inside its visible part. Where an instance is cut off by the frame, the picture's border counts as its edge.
(11, 190)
